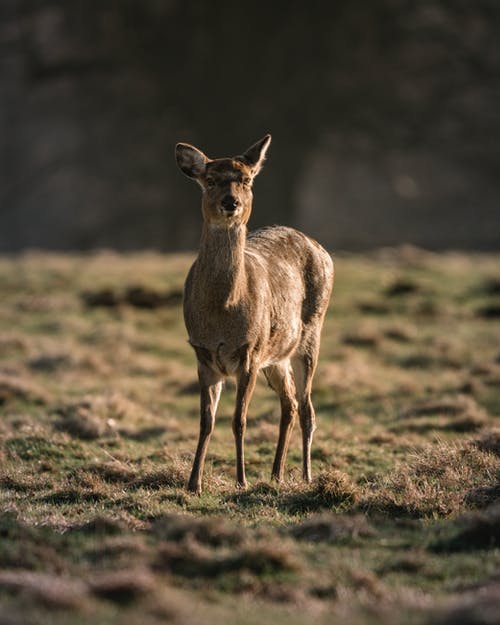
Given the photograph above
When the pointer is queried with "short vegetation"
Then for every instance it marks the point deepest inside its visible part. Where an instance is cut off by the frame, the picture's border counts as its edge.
(98, 428)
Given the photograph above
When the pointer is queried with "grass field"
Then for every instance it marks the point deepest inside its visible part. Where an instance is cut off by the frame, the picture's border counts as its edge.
(99, 421)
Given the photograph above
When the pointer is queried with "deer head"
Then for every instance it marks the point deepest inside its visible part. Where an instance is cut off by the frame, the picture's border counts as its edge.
(226, 182)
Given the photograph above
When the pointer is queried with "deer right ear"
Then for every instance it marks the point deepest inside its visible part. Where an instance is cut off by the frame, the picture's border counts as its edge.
(190, 160)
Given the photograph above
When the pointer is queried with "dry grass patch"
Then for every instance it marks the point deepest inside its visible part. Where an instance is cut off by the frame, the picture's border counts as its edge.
(467, 423)
(53, 591)
(80, 422)
(367, 583)
(213, 531)
(120, 549)
(13, 342)
(17, 387)
(173, 476)
(334, 487)
(448, 406)
(434, 482)
(459, 414)
(21, 483)
(96, 416)
(353, 370)
(330, 489)
(189, 558)
(113, 471)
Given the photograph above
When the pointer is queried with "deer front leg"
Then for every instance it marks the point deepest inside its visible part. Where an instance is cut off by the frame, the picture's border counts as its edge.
(210, 389)
(245, 386)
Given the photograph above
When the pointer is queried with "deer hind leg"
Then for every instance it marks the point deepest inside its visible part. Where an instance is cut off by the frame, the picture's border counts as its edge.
(304, 365)
(280, 378)
(245, 385)
(210, 389)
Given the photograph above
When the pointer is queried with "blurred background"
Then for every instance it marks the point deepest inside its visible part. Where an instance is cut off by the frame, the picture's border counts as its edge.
(385, 118)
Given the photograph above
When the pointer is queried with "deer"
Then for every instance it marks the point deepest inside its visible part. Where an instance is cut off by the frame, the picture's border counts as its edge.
(252, 302)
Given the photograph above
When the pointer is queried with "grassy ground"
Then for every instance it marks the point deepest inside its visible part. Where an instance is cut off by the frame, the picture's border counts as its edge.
(98, 425)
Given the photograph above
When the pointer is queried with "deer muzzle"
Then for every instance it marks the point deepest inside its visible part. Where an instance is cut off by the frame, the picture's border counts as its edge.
(229, 203)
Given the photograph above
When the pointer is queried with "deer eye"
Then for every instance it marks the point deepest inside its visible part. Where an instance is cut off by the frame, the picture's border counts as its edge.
(210, 182)
(247, 182)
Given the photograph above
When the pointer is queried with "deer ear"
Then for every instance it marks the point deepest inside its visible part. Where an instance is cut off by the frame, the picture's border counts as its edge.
(190, 160)
(256, 154)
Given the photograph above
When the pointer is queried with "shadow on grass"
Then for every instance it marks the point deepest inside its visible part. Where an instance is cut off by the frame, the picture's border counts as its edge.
(483, 496)
(144, 434)
(332, 528)
(73, 496)
(123, 587)
(100, 526)
(462, 425)
(489, 442)
(472, 531)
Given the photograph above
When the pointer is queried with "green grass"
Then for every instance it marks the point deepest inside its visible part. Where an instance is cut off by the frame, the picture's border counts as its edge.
(99, 421)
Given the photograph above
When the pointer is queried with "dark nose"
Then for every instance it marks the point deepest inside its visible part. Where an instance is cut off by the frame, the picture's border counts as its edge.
(229, 203)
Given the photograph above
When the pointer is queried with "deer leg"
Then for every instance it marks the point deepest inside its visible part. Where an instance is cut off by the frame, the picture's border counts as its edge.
(280, 379)
(245, 386)
(304, 365)
(210, 389)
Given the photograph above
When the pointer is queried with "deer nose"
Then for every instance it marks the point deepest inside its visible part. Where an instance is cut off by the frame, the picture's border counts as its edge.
(229, 203)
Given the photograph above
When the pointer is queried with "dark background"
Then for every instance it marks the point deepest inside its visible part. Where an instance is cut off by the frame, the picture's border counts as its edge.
(385, 116)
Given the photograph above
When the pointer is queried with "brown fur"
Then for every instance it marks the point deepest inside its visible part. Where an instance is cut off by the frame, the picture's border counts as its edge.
(252, 302)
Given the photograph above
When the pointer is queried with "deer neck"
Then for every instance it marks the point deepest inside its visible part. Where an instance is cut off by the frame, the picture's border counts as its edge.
(221, 263)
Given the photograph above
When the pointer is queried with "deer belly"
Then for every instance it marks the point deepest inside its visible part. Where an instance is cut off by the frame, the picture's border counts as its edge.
(282, 342)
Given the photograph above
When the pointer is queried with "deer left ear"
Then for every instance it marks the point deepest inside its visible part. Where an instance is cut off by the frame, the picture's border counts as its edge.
(256, 154)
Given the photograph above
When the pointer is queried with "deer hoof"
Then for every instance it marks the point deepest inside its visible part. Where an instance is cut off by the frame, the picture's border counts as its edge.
(194, 488)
